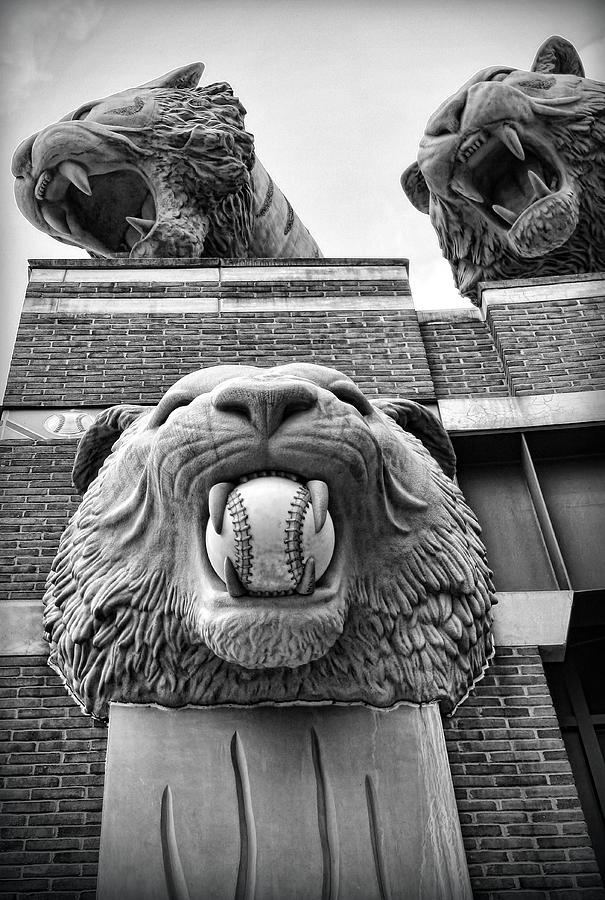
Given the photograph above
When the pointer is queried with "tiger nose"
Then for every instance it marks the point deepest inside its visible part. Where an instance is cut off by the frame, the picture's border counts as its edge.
(491, 102)
(446, 120)
(265, 405)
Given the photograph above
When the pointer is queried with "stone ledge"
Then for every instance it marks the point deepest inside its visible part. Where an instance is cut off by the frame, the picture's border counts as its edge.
(541, 279)
(449, 314)
(187, 263)
(375, 302)
(122, 274)
(222, 272)
(541, 290)
(121, 304)
(358, 271)
(521, 619)
(21, 632)
(533, 619)
(464, 414)
(170, 305)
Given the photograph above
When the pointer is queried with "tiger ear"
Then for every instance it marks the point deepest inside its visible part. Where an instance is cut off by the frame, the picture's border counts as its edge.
(97, 441)
(416, 188)
(557, 56)
(425, 426)
(185, 78)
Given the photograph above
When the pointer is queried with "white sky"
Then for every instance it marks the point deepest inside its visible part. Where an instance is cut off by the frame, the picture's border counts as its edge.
(337, 92)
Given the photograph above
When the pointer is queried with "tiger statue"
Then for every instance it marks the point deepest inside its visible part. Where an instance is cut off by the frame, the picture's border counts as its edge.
(511, 170)
(166, 169)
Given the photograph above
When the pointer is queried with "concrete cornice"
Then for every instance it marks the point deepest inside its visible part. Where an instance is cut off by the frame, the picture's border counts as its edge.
(184, 263)
(485, 413)
(170, 305)
(521, 618)
(533, 619)
(541, 290)
(449, 314)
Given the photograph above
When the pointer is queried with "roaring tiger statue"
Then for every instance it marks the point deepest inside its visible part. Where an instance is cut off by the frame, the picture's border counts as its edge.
(150, 600)
(511, 170)
(166, 169)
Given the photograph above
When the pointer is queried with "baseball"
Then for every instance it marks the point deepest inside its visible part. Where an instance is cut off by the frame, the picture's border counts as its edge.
(267, 536)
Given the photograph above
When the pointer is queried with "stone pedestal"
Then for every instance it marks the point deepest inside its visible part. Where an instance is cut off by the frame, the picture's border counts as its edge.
(277, 803)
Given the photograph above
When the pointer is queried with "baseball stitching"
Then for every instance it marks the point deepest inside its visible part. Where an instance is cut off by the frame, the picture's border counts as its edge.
(293, 534)
(241, 536)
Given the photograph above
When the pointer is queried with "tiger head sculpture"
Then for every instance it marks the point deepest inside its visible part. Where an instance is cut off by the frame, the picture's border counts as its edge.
(511, 170)
(136, 609)
(165, 169)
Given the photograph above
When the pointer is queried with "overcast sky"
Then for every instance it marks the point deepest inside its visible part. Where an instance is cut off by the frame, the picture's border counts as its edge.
(337, 92)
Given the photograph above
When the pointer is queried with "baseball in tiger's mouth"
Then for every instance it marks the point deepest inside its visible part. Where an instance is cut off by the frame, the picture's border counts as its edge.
(270, 536)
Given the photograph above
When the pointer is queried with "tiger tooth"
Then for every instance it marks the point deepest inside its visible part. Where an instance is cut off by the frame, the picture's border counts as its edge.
(319, 501)
(504, 213)
(232, 580)
(143, 226)
(42, 184)
(538, 185)
(467, 190)
(510, 139)
(55, 217)
(306, 585)
(217, 500)
(76, 174)
(148, 208)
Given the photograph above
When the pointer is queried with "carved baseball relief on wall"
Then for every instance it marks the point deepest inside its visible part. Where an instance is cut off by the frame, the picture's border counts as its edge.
(269, 535)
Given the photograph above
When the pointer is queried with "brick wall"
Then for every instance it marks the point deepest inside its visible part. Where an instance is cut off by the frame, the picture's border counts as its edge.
(523, 828)
(53, 760)
(37, 499)
(123, 358)
(462, 358)
(552, 347)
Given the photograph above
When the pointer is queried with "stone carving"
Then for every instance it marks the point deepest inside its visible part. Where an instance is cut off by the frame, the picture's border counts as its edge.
(511, 170)
(314, 801)
(161, 170)
(396, 606)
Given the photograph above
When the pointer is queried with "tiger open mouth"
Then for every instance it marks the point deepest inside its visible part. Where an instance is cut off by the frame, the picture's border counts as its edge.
(521, 188)
(107, 213)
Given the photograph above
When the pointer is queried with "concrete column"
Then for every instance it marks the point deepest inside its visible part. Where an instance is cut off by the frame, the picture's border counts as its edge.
(275, 803)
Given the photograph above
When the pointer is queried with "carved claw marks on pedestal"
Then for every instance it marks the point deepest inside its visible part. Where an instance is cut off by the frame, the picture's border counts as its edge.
(328, 828)
(327, 822)
(176, 886)
(246, 876)
(376, 837)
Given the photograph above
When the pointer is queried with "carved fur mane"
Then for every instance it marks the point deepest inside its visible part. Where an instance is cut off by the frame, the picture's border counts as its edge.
(208, 124)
